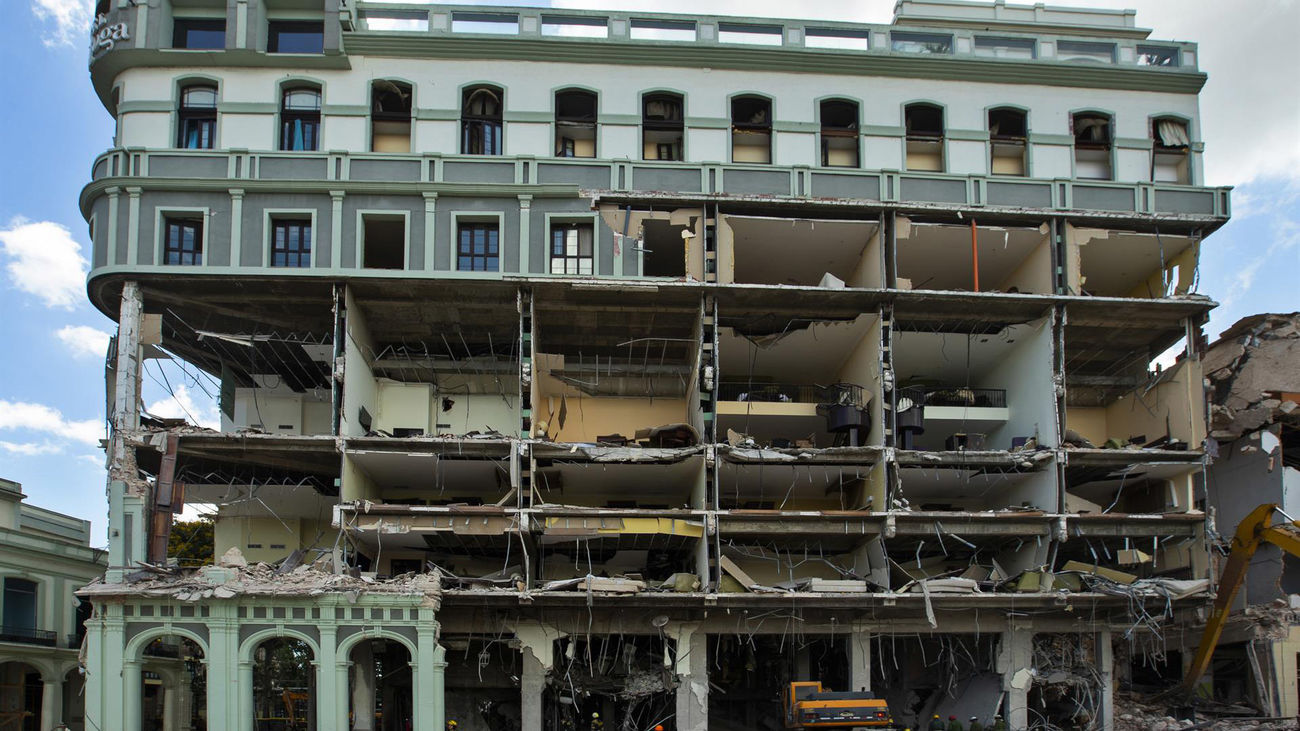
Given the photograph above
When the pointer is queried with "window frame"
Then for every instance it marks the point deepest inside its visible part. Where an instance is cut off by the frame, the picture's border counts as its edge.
(286, 116)
(592, 124)
(483, 122)
(359, 261)
(470, 221)
(1158, 148)
(387, 117)
(1021, 141)
(271, 218)
(276, 26)
(561, 224)
(180, 213)
(207, 116)
(1108, 145)
(853, 132)
(767, 127)
(897, 37)
(193, 23)
(661, 125)
(941, 139)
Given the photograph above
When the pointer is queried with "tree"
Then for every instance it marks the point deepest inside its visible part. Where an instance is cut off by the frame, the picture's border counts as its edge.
(191, 542)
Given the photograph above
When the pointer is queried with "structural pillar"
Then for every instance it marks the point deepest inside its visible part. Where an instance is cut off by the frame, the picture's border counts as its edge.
(127, 518)
(247, 698)
(51, 702)
(170, 714)
(538, 648)
(859, 659)
(1015, 661)
(132, 689)
(429, 700)
(363, 687)
(692, 670)
(1106, 674)
(331, 683)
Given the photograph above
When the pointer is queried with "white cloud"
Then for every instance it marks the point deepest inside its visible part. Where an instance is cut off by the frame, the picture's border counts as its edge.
(21, 415)
(182, 405)
(30, 449)
(83, 341)
(45, 261)
(70, 20)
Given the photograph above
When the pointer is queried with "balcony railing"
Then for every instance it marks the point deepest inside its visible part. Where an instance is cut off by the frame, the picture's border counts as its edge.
(29, 636)
(839, 393)
(992, 398)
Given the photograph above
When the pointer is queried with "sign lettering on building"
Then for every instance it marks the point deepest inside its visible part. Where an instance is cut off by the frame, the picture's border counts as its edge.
(105, 35)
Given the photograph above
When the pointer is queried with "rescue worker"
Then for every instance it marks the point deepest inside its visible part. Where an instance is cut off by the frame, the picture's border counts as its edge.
(596, 723)
(974, 724)
(998, 724)
(451, 724)
(936, 724)
(954, 724)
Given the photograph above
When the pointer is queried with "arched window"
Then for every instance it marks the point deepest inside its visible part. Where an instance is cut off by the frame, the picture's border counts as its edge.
(575, 123)
(390, 116)
(1008, 137)
(197, 117)
(480, 121)
(1169, 151)
(839, 119)
(662, 126)
(924, 128)
(751, 129)
(1093, 135)
(300, 118)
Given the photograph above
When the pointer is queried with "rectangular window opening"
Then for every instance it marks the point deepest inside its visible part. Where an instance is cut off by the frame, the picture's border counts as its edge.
(296, 36)
(933, 43)
(183, 240)
(1157, 56)
(291, 242)
(478, 247)
(574, 26)
(572, 249)
(199, 33)
(832, 38)
(751, 35)
(395, 21)
(1085, 52)
(990, 47)
(664, 247)
(662, 30)
(489, 23)
(383, 243)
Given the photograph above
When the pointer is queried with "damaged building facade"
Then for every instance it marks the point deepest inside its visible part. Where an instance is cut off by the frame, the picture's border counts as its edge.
(863, 317)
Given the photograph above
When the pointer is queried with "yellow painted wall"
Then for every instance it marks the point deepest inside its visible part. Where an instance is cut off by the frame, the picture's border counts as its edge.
(870, 271)
(356, 484)
(1034, 275)
(291, 533)
(925, 156)
(1177, 400)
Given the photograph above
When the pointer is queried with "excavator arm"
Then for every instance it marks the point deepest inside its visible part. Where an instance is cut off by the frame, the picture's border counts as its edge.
(1254, 530)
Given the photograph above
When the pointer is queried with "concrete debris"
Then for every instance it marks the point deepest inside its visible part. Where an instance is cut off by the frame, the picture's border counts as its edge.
(1135, 712)
(234, 557)
(229, 581)
(1254, 371)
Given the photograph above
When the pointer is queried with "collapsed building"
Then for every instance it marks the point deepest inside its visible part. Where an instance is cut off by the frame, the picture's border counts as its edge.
(653, 388)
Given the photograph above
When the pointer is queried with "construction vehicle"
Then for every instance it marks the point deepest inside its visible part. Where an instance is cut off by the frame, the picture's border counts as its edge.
(1256, 529)
(808, 705)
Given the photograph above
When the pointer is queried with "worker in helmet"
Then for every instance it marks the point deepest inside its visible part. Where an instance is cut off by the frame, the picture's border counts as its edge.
(936, 724)
(974, 724)
(999, 724)
(596, 723)
(451, 725)
(954, 724)
(659, 727)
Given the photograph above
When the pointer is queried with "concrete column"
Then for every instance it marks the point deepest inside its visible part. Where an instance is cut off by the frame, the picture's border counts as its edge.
(859, 659)
(692, 670)
(331, 683)
(1106, 674)
(363, 687)
(439, 687)
(132, 690)
(51, 702)
(223, 692)
(245, 689)
(538, 647)
(428, 684)
(803, 663)
(1015, 659)
(170, 711)
(126, 537)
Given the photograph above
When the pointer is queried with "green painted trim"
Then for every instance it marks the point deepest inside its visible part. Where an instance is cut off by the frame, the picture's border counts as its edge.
(967, 135)
(535, 117)
(624, 119)
(805, 127)
(877, 130)
(788, 60)
(438, 115)
(1040, 138)
(325, 187)
(151, 106)
(1133, 143)
(708, 123)
(345, 110)
(247, 108)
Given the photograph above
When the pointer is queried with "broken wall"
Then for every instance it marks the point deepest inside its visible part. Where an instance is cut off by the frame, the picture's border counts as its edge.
(865, 367)
(360, 388)
(1026, 375)
(1128, 264)
(1175, 405)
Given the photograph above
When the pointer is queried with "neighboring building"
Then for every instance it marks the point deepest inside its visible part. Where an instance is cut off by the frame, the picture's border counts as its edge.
(44, 558)
(636, 364)
(1254, 372)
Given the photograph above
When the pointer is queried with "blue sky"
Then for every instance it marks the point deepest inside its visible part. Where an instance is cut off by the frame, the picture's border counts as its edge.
(52, 125)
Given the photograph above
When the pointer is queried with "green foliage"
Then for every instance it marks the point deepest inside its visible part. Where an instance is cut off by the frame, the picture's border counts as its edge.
(191, 542)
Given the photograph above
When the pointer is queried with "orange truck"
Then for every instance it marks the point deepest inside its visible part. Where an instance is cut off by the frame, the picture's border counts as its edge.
(807, 705)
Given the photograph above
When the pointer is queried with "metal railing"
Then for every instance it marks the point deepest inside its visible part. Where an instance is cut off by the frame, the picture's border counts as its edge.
(994, 398)
(28, 636)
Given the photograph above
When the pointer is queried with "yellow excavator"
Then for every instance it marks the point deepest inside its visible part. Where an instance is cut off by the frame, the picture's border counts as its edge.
(809, 706)
(1255, 530)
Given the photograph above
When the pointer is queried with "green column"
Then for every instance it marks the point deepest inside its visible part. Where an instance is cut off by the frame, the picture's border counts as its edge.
(131, 689)
(328, 686)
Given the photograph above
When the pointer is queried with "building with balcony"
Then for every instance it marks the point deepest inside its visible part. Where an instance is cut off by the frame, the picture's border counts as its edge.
(639, 364)
(44, 558)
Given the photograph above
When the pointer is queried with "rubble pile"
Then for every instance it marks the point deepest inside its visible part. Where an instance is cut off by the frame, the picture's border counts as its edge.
(1140, 713)
(1254, 369)
(233, 576)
